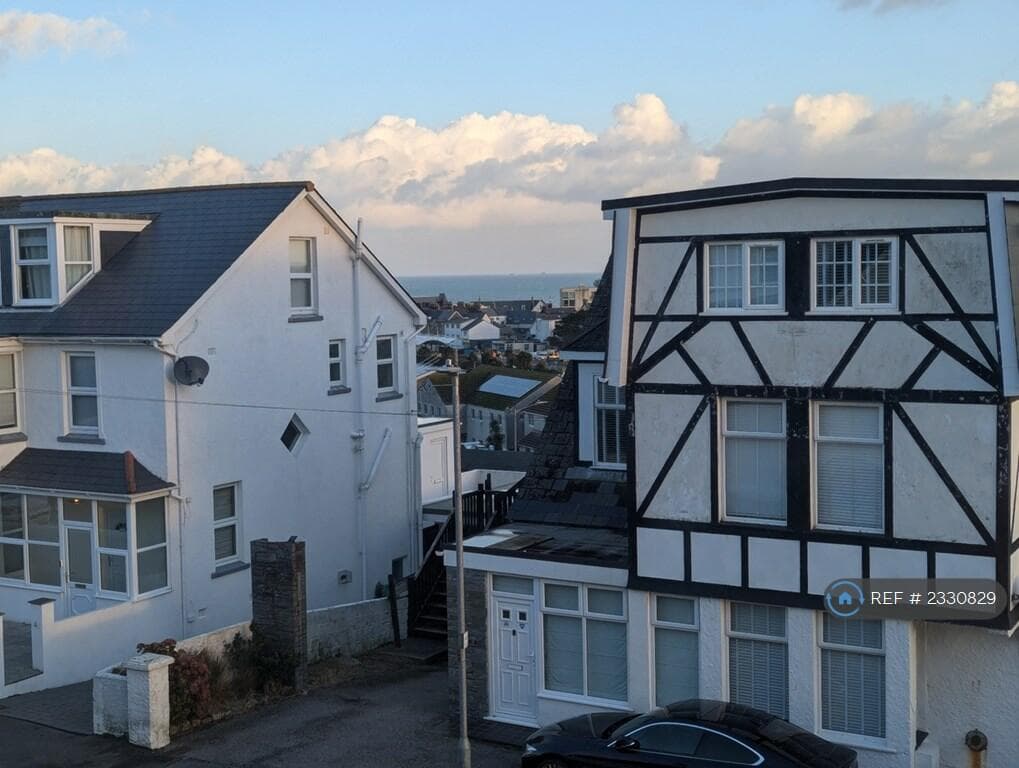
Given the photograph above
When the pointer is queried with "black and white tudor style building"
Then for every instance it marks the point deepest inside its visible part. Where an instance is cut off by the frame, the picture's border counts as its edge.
(787, 383)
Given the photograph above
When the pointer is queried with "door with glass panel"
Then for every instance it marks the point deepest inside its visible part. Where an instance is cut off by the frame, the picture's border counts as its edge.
(515, 678)
(79, 557)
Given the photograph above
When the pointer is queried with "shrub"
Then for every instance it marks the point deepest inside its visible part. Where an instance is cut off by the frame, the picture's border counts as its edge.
(256, 666)
(190, 691)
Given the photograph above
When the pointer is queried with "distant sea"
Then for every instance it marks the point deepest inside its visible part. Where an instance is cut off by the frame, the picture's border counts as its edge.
(544, 285)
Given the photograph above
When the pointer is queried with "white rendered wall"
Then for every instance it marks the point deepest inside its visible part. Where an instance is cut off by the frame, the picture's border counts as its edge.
(268, 369)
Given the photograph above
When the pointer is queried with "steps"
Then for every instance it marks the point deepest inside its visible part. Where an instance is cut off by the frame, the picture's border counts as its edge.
(432, 621)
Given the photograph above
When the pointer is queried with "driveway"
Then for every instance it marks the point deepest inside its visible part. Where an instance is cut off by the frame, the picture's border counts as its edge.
(384, 713)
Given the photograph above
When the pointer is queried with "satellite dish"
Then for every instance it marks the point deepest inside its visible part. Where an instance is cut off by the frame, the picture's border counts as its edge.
(190, 370)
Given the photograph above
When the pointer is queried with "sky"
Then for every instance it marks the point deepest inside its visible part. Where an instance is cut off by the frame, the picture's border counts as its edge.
(481, 137)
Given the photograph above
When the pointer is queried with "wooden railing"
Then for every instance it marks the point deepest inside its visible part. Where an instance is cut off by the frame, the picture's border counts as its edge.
(482, 509)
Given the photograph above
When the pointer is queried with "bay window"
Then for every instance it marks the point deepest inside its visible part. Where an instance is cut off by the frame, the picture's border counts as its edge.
(674, 620)
(852, 676)
(150, 544)
(759, 658)
(609, 424)
(754, 459)
(854, 274)
(112, 524)
(849, 466)
(745, 276)
(584, 641)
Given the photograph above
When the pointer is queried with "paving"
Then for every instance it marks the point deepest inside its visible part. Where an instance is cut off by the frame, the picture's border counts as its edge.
(381, 712)
(68, 708)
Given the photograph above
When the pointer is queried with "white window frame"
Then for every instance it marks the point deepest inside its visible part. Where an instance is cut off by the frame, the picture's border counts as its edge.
(136, 551)
(390, 361)
(228, 522)
(341, 359)
(18, 405)
(659, 623)
(25, 543)
(129, 566)
(583, 613)
(71, 427)
(65, 287)
(731, 634)
(621, 429)
(745, 305)
(311, 277)
(51, 262)
(815, 438)
(725, 433)
(850, 737)
(856, 304)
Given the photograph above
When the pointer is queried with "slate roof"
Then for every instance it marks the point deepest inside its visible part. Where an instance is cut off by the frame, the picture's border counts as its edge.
(80, 472)
(594, 337)
(531, 440)
(557, 490)
(195, 235)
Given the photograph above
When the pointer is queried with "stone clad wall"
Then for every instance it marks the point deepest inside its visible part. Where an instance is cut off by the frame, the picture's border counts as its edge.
(476, 603)
(279, 602)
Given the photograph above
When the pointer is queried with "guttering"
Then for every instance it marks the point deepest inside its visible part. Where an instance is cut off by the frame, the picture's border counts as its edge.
(806, 184)
(119, 340)
(129, 498)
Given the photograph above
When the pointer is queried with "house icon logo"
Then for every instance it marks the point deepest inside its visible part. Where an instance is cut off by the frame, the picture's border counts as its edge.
(843, 599)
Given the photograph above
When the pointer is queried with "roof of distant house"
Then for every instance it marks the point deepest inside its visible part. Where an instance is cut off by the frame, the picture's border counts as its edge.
(531, 440)
(544, 404)
(594, 334)
(471, 383)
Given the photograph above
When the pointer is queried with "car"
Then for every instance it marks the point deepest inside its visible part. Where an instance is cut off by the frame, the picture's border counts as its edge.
(697, 733)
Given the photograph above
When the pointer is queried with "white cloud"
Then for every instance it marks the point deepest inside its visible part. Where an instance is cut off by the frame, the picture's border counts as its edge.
(25, 33)
(508, 177)
(845, 134)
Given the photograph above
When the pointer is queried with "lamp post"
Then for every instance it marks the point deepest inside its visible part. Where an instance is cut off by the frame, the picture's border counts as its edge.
(453, 368)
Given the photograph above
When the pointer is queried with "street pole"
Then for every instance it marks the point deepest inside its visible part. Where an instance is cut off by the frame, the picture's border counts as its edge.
(458, 520)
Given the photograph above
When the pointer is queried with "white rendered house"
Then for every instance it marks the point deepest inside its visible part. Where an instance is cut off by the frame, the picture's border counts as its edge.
(130, 490)
(792, 382)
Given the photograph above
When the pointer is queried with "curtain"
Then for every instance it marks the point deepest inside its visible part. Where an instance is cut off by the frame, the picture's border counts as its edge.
(606, 659)
(675, 665)
(35, 282)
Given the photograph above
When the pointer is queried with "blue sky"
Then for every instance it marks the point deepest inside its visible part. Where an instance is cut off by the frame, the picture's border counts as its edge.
(278, 80)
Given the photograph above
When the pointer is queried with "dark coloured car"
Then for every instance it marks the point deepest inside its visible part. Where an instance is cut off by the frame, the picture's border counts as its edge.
(698, 733)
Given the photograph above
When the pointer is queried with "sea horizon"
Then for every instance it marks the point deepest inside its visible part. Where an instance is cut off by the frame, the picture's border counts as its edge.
(497, 287)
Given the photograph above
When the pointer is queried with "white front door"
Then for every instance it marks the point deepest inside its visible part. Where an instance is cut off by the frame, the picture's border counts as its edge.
(515, 685)
(79, 569)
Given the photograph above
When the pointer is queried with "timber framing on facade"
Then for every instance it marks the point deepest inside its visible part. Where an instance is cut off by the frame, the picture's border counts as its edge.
(940, 344)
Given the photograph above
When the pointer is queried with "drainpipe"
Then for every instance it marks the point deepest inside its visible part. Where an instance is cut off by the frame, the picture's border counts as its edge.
(178, 496)
(358, 435)
(413, 456)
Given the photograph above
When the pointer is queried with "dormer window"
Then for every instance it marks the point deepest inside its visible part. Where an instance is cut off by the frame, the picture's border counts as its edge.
(77, 255)
(53, 257)
(35, 278)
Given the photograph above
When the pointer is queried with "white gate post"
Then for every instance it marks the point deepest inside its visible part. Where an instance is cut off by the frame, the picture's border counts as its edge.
(148, 700)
